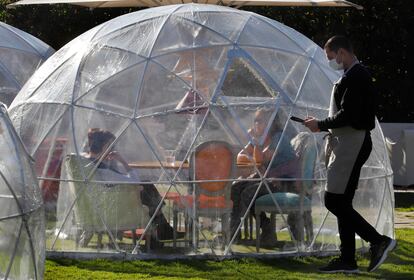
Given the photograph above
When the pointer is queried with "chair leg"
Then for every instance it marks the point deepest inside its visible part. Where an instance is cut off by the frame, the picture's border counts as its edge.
(148, 242)
(273, 224)
(196, 233)
(175, 218)
(84, 237)
(78, 238)
(251, 226)
(99, 242)
(299, 226)
(308, 226)
(257, 232)
(179, 220)
(187, 229)
(301, 229)
(151, 232)
(134, 237)
(225, 227)
(246, 228)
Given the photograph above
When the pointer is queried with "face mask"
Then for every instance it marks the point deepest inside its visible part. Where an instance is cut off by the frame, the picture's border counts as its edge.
(335, 65)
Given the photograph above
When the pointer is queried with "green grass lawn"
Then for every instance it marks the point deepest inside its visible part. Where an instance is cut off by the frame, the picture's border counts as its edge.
(399, 265)
(410, 209)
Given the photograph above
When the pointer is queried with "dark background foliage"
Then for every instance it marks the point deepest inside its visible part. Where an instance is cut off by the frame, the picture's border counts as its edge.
(380, 33)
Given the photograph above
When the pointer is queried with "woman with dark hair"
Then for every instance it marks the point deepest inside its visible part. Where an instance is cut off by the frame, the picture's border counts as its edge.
(99, 141)
(261, 149)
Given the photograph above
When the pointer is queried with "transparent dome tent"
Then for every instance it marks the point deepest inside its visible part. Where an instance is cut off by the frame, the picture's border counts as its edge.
(20, 55)
(22, 229)
(137, 124)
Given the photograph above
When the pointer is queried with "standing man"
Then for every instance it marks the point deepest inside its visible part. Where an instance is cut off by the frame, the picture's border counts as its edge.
(351, 117)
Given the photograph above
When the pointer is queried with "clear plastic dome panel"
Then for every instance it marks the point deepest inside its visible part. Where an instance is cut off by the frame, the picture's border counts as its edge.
(126, 84)
(163, 86)
(199, 68)
(256, 33)
(105, 62)
(34, 131)
(314, 80)
(64, 85)
(286, 69)
(137, 38)
(180, 33)
(229, 24)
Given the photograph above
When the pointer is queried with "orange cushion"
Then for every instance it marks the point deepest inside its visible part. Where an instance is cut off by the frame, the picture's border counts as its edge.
(138, 232)
(214, 202)
(171, 196)
(213, 162)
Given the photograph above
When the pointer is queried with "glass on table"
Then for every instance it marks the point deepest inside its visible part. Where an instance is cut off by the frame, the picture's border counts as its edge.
(170, 157)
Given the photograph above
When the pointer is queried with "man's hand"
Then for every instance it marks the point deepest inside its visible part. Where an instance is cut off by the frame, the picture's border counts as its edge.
(312, 124)
(114, 155)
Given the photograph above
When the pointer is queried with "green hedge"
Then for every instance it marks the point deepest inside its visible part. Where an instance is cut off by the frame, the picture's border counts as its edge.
(380, 34)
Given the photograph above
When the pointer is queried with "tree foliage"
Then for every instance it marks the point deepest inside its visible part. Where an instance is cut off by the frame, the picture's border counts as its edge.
(380, 33)
(56, 25)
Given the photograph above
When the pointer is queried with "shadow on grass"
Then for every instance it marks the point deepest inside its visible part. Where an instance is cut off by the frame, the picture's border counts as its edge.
(187, 268)
(399, 265)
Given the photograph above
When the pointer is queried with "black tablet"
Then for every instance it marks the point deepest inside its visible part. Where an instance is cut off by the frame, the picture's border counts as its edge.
(296, 119)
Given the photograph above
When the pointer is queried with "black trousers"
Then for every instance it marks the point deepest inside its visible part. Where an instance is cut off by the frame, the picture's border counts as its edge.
(150, 197)
(242, 193)
(349, 220)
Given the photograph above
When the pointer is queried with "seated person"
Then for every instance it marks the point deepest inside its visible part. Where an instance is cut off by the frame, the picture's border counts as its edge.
(284, 165)
(98, 142)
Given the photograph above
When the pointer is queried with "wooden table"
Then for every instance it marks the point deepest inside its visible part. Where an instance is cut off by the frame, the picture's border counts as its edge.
(242, 168)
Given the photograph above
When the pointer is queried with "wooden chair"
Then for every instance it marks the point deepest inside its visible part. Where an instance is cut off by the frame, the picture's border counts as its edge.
(100, 208)
(290, 202)
(212, 160)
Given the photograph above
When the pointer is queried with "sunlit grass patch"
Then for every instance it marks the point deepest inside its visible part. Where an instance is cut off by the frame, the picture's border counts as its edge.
(399, 265)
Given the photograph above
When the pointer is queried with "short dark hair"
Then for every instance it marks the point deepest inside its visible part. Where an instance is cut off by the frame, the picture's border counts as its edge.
(338, 41)
(98, 138)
